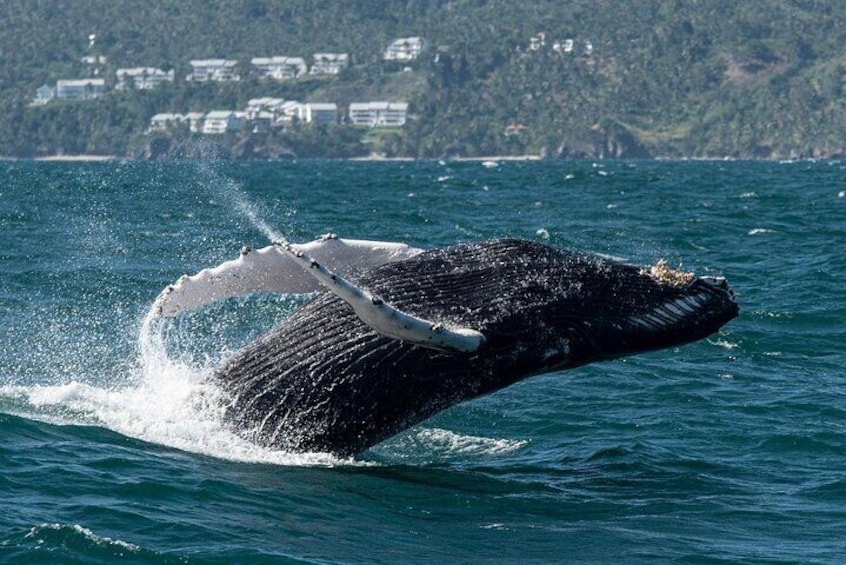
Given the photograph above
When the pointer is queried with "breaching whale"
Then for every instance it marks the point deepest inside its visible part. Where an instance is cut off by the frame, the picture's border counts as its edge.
(404, 333)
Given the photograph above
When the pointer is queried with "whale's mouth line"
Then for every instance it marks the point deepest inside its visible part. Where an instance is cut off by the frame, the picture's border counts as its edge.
(709, 297)
(668, 314)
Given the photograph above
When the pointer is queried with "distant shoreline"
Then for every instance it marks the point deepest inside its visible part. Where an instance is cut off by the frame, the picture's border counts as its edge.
(448, 159)
(78, 158)
(377, 158)
(370, 158)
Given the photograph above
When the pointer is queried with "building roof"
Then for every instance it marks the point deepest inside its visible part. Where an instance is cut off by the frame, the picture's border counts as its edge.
(219, 114)
(332, 56)
(278, 60)
(81, 82)
(213, 63)
(379, 105)
(140, 71)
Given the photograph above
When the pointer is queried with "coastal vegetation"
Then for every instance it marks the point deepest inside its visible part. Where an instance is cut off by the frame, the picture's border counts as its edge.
(671, 79)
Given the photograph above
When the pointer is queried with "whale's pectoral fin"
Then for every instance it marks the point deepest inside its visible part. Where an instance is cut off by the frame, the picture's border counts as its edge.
(270, 270)
(383, 318)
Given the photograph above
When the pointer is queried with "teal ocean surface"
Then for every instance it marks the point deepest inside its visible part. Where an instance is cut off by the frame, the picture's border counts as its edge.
(731, 449)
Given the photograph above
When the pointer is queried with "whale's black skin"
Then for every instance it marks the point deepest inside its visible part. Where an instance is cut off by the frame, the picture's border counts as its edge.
(324, 381)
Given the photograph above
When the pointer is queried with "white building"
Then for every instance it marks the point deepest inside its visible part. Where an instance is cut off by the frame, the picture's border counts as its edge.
(43, 95)
(218, 70)
(165, 121)
(537, 41)
(94, 60)
(261, 121)
(379, 114)
(329, 63)
(195, 121)
(404, 49)
(223, 121)
(169, 121)
(289, 110)
(142, 78)
(266, 105)
(279, 68)
(95, 64)
(565, 46)
(82, 89)
(321, 113)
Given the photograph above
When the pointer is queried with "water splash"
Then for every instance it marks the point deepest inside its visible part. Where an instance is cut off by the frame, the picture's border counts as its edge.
(248, 210)
(170, 402)
(167, 396)
(230, 191)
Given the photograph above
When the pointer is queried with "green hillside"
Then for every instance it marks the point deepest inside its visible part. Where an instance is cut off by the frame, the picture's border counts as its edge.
(671, 78)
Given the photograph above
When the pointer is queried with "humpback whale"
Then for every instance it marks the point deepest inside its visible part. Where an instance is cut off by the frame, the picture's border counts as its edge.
(399, 333)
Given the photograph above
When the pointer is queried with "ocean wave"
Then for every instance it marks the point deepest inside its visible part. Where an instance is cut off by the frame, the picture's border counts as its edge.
(73, 543)
(425, 444)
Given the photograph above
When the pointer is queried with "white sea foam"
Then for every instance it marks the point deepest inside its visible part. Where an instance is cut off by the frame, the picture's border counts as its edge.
(169, 402)
(723, 343)
(421, 443)
(40, 533)
(452, 442)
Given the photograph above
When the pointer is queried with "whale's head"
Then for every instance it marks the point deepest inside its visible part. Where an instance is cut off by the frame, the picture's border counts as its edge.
(609, 309)
(674, 310)
(568, 309)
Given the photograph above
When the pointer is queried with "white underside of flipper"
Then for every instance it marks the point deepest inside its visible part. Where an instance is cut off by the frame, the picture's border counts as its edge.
(271, 269)
(383, 318)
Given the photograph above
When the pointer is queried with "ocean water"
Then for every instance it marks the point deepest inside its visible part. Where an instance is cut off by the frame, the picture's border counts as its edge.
(732, 449)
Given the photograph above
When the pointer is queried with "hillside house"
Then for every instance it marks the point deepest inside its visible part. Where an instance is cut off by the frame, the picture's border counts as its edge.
(321, 113)
(279, 68)
(81, 89)
(537, 41)
(288, 111)
(94, 61)
(195, 121)
(169, 121)
(95, 64)
(512, 130)
(329, 63)
(43, 95)
(272, 106)
(142, 78)
(165, 121)
(261, 121)
(215, 70)
(224, 121)
(378, 114)
(565, 46)
(404, 49)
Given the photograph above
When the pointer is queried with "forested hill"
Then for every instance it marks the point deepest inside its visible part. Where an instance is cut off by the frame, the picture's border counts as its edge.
(668, 78)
